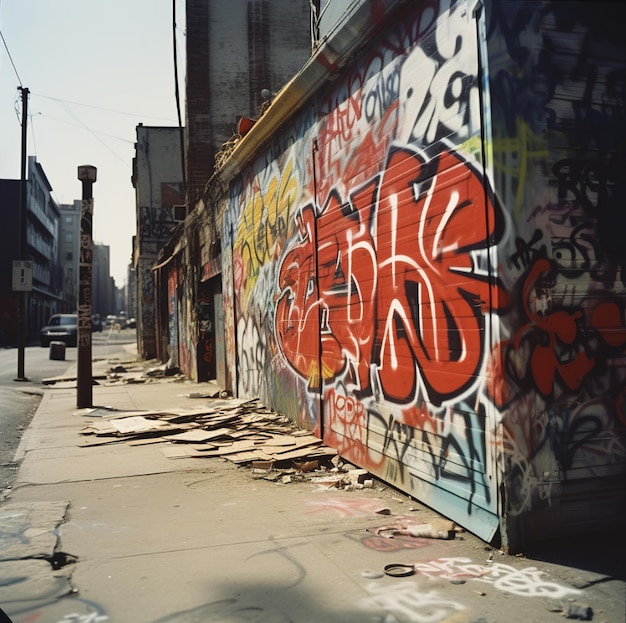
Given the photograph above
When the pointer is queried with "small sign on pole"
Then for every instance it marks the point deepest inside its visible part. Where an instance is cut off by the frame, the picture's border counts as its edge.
(22, 275)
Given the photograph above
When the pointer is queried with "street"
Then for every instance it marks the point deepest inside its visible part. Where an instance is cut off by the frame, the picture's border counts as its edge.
(19, 399)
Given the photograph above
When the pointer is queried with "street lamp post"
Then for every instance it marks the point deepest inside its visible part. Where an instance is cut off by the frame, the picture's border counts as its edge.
(84, 380)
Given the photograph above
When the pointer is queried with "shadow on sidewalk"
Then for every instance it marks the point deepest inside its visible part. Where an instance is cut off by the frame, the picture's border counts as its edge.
(601, 552)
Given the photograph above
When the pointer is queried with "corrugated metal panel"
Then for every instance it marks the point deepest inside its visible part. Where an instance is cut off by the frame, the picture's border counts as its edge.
(403, 290)
(559, 156)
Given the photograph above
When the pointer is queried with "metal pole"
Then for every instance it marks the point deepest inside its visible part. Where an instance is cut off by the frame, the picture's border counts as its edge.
(22, 312)
(84, 380)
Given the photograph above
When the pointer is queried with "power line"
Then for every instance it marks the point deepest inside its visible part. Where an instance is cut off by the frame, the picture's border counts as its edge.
(86, 127)
(119, 112)
(177, 96)
(6, 47)
(82, 126)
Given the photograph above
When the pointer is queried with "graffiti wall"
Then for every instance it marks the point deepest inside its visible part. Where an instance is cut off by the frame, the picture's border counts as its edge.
(146, 310)
(557, 78)
(263, 220)
(424, 265)
(187, 315)
(172, 314)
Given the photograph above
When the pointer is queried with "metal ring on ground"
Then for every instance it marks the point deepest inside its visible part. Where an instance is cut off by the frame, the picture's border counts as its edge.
(399, 570)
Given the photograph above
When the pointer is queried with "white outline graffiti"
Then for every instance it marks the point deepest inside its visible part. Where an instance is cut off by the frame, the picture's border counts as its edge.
(527, 582)
(407, 603)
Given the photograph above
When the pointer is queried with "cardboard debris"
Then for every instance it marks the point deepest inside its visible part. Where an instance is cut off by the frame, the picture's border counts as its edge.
(136, 424)
(241, 431)
(198, 435)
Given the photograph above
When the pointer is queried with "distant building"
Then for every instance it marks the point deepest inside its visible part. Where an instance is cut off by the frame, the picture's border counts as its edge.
(41, 247)
(69, 244)
(240, 54)
(104, 295)
(130, 293)
(9, 251)
(158, 182)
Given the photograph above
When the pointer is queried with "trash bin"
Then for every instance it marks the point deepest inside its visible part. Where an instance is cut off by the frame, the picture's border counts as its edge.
(57, 350)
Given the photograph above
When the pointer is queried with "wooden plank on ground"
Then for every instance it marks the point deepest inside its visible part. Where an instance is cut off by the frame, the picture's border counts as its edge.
(293, 454)
(136, 424)
(250, 455)
(198, 435)
(299, 442)
(181, 452)
(145, 441)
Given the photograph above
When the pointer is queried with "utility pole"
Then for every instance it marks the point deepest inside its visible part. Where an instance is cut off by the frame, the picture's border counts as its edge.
(22, 311)
(84, 381)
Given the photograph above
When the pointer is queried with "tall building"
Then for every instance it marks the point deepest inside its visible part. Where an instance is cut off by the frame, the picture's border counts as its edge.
(9, 251)
(40, 248)
(42, 235)
(240, 54)
(104, 295)
(158, 182)
(237, 52)
(130, 293)
(69, 244)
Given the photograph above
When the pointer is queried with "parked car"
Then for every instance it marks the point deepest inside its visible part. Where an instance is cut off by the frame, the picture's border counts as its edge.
(131, 324)
(110, 321)
(60, 328)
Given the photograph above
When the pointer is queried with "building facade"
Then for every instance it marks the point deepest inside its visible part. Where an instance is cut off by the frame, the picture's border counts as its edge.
(42, 236)
(158, 182)
(41, 248)
(417, 255)
(235, 51)
(69, 243)
(9, 251)
(104, 294)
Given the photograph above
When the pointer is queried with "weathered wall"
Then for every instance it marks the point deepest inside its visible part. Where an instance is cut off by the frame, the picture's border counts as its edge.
(557, 73)
(9, 208)
(345, 320)
(252, 46)
(158, 188)
(416, 268)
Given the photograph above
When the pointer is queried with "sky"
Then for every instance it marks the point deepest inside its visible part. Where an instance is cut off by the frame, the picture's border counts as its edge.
(95, 69)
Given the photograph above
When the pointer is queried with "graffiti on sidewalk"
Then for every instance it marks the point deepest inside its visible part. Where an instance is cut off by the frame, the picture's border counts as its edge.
(345, 507)
(85, 618)
(77, 610)
(408, 603)
(527, 582)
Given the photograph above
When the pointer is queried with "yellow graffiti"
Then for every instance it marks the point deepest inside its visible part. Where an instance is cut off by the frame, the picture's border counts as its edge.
(515, 158)
(512, 157)
(263, 223)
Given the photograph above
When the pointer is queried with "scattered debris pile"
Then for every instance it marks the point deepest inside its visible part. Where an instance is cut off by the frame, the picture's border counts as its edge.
(405, 525)
(243, 432)
(143, 372)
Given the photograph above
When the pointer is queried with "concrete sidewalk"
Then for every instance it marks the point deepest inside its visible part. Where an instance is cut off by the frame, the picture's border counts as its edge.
(121, 533)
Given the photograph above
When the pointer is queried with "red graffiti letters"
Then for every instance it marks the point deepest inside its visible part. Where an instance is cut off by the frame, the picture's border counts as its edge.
(401, 285)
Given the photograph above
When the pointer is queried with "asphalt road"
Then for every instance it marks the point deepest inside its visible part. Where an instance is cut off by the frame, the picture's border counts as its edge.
(19, 400)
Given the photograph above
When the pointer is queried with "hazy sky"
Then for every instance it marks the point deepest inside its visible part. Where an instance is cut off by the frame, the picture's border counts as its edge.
(95, 70)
